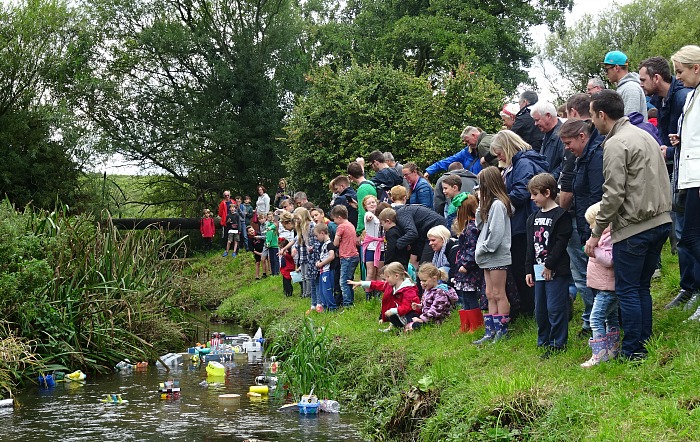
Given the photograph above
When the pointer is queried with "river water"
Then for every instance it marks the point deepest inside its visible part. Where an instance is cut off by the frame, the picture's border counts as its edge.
(73, 411)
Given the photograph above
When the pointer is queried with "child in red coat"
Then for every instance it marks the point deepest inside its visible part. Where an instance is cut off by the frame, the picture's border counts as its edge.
(287, 268)
(399, 294)
(207, 227)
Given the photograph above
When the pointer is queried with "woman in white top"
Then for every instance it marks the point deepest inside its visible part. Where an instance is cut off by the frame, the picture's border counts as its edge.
(262, 206)
(686, 64)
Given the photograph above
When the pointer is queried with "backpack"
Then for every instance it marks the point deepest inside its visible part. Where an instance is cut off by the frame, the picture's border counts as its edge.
(382, 192)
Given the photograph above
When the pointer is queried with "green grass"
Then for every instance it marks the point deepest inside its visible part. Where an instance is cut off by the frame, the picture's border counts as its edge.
(434, 385)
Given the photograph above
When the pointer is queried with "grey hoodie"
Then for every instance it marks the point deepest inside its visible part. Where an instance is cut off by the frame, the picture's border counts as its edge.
(632, 94)
(493, 245)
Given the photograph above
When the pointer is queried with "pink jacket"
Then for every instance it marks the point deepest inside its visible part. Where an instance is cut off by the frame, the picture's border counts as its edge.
(601, 275)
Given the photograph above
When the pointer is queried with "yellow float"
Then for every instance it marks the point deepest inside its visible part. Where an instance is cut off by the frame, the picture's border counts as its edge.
(216, 369)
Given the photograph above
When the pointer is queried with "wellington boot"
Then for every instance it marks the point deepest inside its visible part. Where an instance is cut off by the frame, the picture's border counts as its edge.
(489, 331)
(599, 350)
(613, 344)
(464, 321)
(501, 327)
(475, 318)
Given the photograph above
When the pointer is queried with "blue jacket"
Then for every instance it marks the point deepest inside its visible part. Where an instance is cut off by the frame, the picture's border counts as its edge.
(553, 150)
(463, 156)
(526, 164)
(588, 182)
(422, 193)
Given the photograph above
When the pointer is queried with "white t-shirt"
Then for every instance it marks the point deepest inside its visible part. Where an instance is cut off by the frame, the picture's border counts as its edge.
(373, 227)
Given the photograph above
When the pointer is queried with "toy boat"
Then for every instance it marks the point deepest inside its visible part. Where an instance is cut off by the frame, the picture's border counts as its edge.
(216, 369)
(76, 376)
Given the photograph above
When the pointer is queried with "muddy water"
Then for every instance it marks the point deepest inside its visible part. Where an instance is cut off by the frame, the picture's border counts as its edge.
(73, 412)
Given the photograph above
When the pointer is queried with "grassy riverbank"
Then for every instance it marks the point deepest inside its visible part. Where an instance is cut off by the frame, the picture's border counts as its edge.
(434, 385)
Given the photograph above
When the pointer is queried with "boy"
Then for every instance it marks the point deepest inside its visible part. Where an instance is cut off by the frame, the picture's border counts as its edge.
(349, 256)
(242, 214)
(547, 264)
(392, 233)
(272, 244)
(256, 244)
(232, 220)
(326, 279)
(451, 187)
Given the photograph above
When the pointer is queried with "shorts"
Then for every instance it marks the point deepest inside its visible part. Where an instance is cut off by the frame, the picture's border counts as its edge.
(233, 237)
(264, 253)
(369, 256)
(497, 268)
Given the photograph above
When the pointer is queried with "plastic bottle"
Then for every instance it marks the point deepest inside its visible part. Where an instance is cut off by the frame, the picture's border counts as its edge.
(329, 406)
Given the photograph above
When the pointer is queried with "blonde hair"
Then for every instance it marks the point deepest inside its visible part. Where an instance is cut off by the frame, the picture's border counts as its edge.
(509, 143)
(395, 268)
(303, 219)
(591, 213)
(429, 270)
(398, 193)
(367, 198)
(687, 55)
(439, 232)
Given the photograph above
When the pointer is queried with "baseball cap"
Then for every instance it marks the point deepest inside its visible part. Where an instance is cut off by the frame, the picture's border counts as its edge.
(616, 58)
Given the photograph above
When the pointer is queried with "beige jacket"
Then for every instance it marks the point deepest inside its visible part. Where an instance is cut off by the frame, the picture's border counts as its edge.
(637, 190)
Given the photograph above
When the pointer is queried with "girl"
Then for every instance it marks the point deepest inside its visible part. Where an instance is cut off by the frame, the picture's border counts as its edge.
(207, 227)
(600, 277)
(469, 277)
(399, 294)
(286, 268)
(373, 243)
(308, 249)
(437, 300)
(493, 250)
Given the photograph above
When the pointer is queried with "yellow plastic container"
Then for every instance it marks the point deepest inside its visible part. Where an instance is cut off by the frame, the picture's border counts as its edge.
(76, 376)
(216, 369)
(261, 389)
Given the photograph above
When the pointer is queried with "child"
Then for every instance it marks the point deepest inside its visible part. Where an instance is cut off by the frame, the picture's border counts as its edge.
(242, 214)
(547, 264)
(326, 278)
(373, 242)
(492, 252)
(392, 233)
(248, 211)
(272, 242)
(256, 243)
(469, 278)
(437, 300)
(307, 247)
(451, 187)
(232, 221)
(605, 343)
(349, 257)
(207, 227)
(399, 295)
(286, 269)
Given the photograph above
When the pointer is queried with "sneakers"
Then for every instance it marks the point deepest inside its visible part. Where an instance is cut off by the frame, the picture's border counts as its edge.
(225, 254)
(657, 274)
(695, 316)
(682, 297)
(233, 255)
(692, 302)
(319, 308)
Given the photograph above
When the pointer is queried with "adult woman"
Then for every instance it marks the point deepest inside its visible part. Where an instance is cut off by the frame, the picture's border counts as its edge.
(582, 139)
(262, 206)
(282, 193)
(444, 250)
(521, 164)
(686, 162)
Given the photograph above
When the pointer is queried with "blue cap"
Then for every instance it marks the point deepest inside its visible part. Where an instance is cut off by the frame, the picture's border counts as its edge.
(616, 58)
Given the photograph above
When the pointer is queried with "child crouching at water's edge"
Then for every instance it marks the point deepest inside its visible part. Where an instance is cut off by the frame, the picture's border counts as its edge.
(438, 298)
(399, 294)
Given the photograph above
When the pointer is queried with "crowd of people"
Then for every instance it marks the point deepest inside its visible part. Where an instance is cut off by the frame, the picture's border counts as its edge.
(560, 203)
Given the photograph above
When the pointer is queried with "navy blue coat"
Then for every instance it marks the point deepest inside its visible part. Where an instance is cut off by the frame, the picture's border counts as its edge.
(670, 110)
(588, 182)
(526, 164)
(422, 194)
(553, 150)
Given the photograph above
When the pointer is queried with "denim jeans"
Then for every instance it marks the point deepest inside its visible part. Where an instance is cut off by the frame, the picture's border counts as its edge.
(689, 243)
(305, 283)
(579, 264)
(347, 272)
(244, 236)
(604, 314)
(313, 289)
(552, 312)
(687, 264)
(634, 260)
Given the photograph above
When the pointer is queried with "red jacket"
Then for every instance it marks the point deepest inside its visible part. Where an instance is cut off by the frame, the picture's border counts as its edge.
(223, 211)
(206, 226)
(400, 299)
(288, 266)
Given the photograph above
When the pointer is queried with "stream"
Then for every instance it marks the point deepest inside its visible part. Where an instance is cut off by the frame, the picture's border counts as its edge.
(73, 411)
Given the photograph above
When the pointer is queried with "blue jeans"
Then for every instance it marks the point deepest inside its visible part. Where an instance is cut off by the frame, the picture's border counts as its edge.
(689, 244)
(634, 261)
(604, 314)
(244, 235)
(579, 264)
(552, 312)
(347, 272)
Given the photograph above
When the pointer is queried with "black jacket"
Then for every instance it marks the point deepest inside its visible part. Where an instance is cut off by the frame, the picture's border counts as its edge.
(557, 257)
(415, 220)
(524, 126)
(393, 252)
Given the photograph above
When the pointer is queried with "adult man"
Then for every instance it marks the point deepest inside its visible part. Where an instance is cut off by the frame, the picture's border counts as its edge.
(478, 144)
(389, 158)
(524, 124)
(594, 85)
(544, 114)
(636, 204)
(616, 68)
(364, 187)
(668, 95)
(385, 177)
(421, 191)
(469, 180)
(223, 213)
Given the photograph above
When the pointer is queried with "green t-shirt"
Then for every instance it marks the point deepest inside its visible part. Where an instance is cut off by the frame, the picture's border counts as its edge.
(365, 188)
(271, 235)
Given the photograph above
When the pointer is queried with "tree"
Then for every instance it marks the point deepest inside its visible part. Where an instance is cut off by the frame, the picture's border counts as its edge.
(349, 114)
(641, 29)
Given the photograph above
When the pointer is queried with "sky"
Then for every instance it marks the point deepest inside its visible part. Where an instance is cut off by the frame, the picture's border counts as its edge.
(117, 164)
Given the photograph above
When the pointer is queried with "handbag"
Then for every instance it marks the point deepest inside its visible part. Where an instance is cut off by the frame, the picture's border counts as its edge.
(255, 217)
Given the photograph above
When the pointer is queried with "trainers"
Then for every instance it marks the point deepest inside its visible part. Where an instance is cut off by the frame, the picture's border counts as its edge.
(319, 308)
(695, 316)
(692, 302)
(657, 274)
(233, 255)
(682, 297)
(225, 254)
